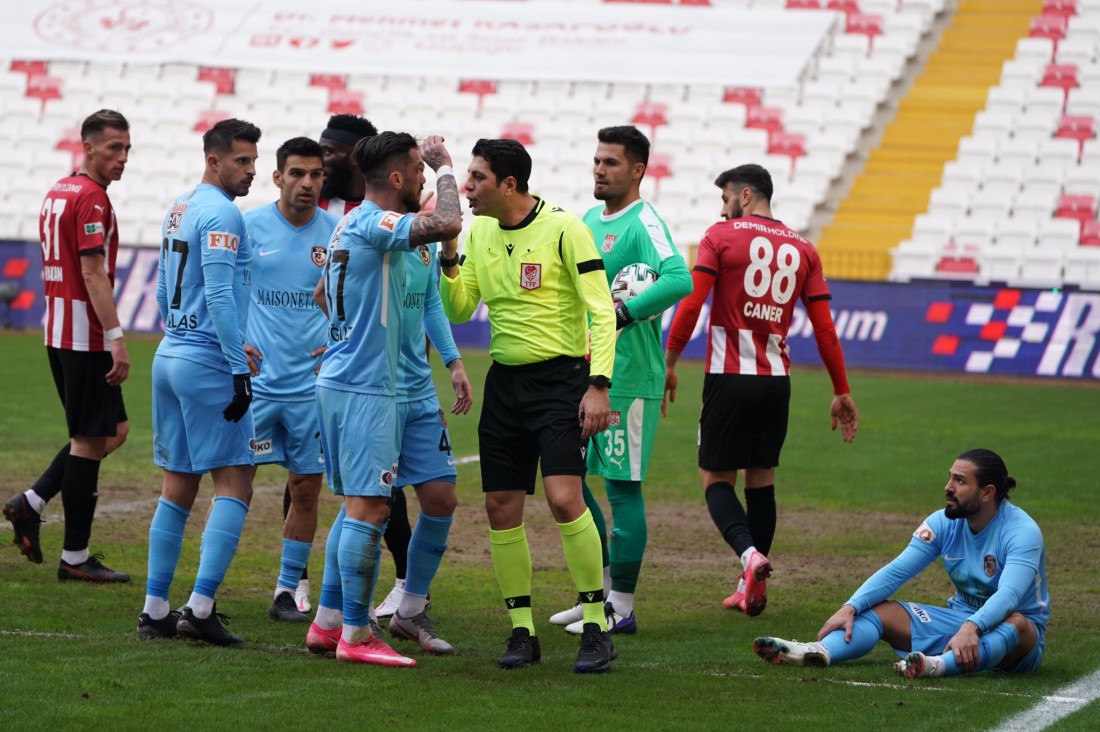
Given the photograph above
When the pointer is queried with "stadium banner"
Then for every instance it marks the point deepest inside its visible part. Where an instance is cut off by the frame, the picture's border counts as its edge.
(630, 42)
(950, 327)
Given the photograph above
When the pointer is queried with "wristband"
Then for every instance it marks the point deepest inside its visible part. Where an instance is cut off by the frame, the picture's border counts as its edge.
(443, 170)
(113, 334)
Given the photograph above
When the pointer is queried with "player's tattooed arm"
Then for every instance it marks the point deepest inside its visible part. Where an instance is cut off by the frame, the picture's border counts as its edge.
(446, 221)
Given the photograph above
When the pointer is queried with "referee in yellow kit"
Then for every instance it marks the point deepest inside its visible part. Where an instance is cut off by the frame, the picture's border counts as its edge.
(536, 267)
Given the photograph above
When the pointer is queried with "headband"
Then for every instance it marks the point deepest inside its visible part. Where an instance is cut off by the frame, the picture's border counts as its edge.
(348, 138)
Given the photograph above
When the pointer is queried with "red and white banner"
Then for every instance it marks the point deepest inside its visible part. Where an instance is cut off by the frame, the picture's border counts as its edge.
(492, 40)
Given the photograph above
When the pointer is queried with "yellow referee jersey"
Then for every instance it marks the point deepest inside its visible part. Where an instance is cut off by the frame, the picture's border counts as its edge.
(543, 282)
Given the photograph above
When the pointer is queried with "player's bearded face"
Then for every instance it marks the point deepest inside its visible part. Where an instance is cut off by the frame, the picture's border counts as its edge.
(237, 168)
(413, 183)
(611, 172)
(962, 491)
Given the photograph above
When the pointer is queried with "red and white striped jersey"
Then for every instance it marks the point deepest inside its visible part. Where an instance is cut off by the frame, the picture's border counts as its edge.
(76, 217)
(761, 268)
(337, 206)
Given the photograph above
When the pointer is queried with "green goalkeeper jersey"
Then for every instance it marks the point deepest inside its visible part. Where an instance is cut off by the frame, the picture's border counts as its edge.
(637, 234)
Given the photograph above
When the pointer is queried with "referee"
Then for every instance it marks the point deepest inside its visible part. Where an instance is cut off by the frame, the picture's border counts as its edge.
(536, 267)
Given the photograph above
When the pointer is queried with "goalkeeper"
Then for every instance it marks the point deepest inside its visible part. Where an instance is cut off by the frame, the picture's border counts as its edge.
(627, 230)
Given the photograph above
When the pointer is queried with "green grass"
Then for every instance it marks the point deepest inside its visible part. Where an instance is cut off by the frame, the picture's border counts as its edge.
(70, 660)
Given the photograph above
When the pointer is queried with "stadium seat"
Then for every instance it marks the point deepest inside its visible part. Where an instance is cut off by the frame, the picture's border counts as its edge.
(1076, 127)
(1048, 26)
(915, 259)
(208, 118)
(1061, 76)
(957, 266)
(521, 132)
(30, 68)
(329, 81)
(1016, 233)
(1059, 233)
(43, 87)
(867, 25)
(1042, 267)
(1082, 267)
(1060, 7)
(345, 101)
(1090, 234)
(1077, 51)
(978, 229)
(765, 118)
(932, 228)
(747, 96)
(1081, 208)
(224, 80)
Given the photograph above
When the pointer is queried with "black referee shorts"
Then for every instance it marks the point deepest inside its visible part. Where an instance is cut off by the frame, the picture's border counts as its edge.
(93, 408)
(530, 413)
(744, 421)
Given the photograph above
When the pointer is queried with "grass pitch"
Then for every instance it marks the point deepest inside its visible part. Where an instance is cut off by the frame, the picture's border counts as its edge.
(70, 660)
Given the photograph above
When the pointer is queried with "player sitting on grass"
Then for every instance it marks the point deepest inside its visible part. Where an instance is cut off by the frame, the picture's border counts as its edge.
(994, 554)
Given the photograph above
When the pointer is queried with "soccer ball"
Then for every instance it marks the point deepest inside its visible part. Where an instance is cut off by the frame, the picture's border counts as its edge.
(631, 281)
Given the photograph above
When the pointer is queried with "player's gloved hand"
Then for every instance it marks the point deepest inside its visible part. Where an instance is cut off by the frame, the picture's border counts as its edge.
(623, 317)
(242, 397)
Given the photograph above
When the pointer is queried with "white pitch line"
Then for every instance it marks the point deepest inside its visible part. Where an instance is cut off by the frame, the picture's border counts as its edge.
(1062, 703)
(468, 459)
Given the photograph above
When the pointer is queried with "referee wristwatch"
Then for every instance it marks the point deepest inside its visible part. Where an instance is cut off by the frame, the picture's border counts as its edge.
(445, 263)
(600, 382)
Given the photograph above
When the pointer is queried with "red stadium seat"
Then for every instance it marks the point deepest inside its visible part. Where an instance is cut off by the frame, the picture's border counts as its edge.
(1048, 26)
(765, 118)
(329, 81)
(521, 132)
(652, 114)
(804, 4)
(645, 2)
(1060, 7)
(208, 118)
(1062, 76)
(1080, 127)
(1090, 234)
(30, 68)
(1082, 208)
(866, 25)
(43, 87)
(745, 95)
(224, 80)
(481, 87)
(70, 141)
(848, 7)
(345, 101)
(786, 143)
(957, 266)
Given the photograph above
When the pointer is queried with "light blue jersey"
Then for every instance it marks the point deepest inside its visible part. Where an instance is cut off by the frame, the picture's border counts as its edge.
(997, 571)
(203, 280)
(365, 289)
(422, 314)
(284, 322)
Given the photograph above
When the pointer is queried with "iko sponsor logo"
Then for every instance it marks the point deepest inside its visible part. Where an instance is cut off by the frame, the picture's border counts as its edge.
(262, 447)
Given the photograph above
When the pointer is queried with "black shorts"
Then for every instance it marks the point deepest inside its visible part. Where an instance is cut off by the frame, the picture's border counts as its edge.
(744, 421)
(93, 408)
(529, 413)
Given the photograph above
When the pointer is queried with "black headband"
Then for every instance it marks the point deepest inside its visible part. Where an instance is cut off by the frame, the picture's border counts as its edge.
(348, 138)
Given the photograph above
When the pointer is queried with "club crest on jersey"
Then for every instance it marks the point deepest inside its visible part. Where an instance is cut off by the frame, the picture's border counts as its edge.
(318, 255)
(608, 242)
(223, 240)
(389, 221)
(989, 564)
(425, 255)
(175, 216)
(616, 419)
(924, 533)
(530, 275)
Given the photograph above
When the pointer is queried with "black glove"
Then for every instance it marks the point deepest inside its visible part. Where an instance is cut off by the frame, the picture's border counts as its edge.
(242, 397)
(623, 317)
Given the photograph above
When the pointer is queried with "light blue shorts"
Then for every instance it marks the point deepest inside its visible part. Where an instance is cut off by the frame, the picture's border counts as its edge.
(360, 439)
(425, 444)
(932, 628)
(288, 434)
(190, 435)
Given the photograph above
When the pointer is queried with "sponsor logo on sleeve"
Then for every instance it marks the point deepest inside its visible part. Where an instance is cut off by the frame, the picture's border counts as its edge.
(924, 533)
(223, 240)
(175, 216)
(608, 243)
(530, 275)
(989, 564)
(93, 229)
(318, 255)
(389, 221)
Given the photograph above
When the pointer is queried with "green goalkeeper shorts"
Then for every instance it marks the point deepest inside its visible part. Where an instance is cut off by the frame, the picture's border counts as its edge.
(621, 452)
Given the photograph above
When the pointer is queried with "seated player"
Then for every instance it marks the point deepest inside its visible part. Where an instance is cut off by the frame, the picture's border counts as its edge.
(994, 554)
